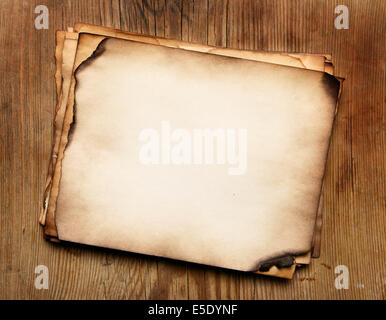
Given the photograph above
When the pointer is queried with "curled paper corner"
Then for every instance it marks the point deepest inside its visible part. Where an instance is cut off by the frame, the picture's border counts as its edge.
(280, 262)
(282, 265)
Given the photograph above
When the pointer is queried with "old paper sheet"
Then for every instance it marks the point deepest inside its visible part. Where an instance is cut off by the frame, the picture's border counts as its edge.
(312, 61)
(225, 261)
(90, 42)
(308, 61)
(65, 55)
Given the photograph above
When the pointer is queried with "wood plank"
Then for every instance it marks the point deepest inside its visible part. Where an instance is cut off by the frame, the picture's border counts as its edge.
(354, 194)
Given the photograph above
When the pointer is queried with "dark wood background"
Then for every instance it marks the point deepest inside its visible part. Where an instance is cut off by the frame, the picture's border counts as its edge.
(354, 197)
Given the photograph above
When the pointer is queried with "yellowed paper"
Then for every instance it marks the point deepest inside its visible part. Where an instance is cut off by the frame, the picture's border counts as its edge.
(237, 262)
(65, 55)
(307, 61)
(304, 59)
(90, 42)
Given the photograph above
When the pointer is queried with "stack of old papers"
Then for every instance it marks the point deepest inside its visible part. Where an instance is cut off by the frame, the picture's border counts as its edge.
(181, 150)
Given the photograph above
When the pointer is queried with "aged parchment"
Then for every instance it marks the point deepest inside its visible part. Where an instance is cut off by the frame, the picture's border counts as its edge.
(90, 42)
(183, 257)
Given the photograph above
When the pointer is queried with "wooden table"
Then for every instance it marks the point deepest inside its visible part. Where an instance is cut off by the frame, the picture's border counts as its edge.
(354, 195)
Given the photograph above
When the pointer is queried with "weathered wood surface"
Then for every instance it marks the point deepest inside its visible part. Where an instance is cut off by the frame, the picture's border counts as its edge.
(354, 195)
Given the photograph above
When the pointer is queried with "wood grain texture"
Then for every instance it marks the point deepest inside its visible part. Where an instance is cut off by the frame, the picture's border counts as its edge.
(354, 192)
